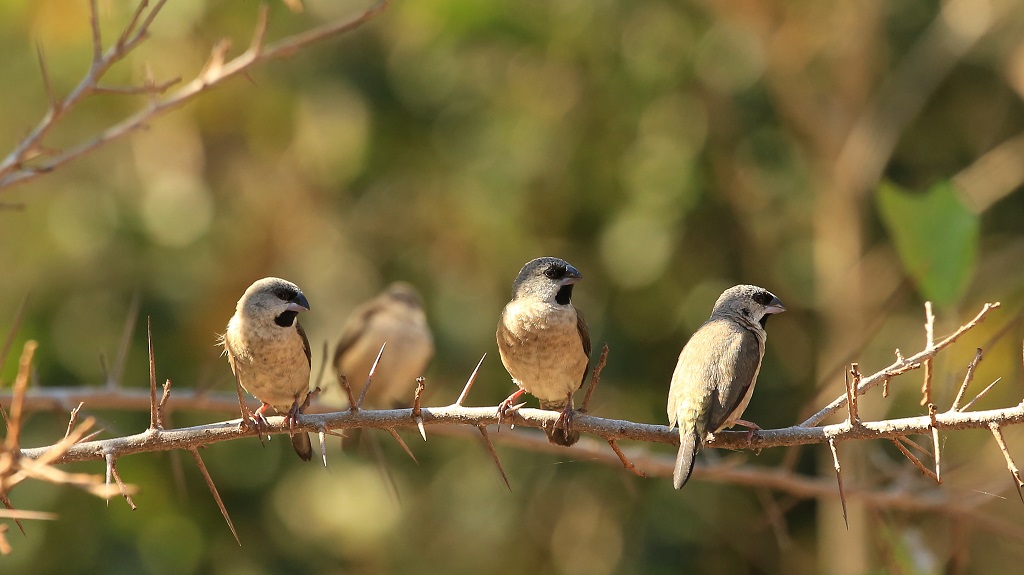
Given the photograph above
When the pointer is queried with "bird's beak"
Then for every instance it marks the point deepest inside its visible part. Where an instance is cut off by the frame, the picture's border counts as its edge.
(299, 303)
(775, 306)
(572, 275)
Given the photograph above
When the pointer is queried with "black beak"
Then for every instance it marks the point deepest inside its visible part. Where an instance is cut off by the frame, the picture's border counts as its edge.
(298, 303)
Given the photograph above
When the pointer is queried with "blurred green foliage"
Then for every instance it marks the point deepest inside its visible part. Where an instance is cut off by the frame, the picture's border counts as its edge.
(936, 237)
(667, 149)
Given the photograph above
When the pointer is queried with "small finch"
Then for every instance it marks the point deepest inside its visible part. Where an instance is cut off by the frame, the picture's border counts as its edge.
(543, 341)
(716, 371)
(268, 350)
(394, 317)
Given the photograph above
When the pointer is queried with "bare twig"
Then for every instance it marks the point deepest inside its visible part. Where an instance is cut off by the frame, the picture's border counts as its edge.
(21, 165)
(163, 403)
(595, 378)
(853, 378)
(347, 388)
(901, 365)
(74, 419)
(625, 460)
(420, 386)
(112, 472)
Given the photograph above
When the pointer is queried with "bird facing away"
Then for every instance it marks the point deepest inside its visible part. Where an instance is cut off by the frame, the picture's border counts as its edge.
(716, 371)
(394, 317)
(268, 350)
(543, 341)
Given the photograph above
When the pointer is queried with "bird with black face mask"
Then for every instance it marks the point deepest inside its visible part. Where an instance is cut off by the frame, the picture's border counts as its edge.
(394, 317)
(716, 371)
(543, 341)
(268, 350)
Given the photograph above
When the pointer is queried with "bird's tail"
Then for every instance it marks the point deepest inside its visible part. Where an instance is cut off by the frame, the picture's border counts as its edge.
(689, 444)
(564, 435)
(302, 445)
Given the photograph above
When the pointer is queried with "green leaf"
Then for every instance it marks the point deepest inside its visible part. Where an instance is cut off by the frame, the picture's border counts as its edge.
(936, 237)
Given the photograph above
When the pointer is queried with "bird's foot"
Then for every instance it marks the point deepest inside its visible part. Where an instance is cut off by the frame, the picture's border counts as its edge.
(256, 419)
(751, 428)
(509, 407)
(565, 418)
(293, 414)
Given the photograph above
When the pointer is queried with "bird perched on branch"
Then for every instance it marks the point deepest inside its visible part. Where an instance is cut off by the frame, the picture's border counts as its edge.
(543, 341)
(269, 353)
(716, 371)
(394, 317)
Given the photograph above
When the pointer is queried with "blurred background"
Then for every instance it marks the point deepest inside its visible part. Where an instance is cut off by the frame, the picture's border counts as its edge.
(855, 158)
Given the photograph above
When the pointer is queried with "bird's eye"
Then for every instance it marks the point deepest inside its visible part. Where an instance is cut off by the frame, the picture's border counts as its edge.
(763, 297)
(284, 294)
(555, 271)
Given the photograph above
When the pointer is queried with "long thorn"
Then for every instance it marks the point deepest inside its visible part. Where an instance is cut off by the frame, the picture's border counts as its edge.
(126, 341)
(981, 394)
(7, 504)
(19, 315)
(401, 442)
(998, 434)
(968, 378)
(469, 382)
(929, 331)
(369, 376)
(913, 459)
(213, 490)
(494, 455)
(323, 444)
(152, 375)
(932, 412)
(839, 478)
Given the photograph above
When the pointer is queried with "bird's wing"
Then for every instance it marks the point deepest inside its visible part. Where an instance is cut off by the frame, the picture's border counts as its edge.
(581, 327)
(743, 355)
(305, 343)
(355, 327)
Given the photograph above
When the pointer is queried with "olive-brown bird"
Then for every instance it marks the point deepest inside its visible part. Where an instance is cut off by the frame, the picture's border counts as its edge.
(268, 350)
(716, 371)
(394, 317)
(543, 341)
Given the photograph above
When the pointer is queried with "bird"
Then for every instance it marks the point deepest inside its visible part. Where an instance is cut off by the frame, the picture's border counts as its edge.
(543, 341)
(269, 353)
(394, 317)
(717, 369)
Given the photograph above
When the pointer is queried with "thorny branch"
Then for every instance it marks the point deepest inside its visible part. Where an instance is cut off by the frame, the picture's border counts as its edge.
(31, 158)
(458, 417)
